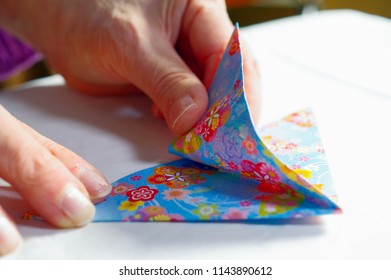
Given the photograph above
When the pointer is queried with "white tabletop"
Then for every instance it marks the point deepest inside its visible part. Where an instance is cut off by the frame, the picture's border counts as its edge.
(337, 63)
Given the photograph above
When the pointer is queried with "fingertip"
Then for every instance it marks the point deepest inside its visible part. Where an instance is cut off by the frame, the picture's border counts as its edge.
(95, 183)
(181, 116)
(187, 110)
(77, 208)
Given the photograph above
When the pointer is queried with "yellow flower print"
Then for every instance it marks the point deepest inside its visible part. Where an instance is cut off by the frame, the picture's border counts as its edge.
(205, 211)
(130, 205)
(319, 187)
(153, 211)
(303, 172)
(161, 218)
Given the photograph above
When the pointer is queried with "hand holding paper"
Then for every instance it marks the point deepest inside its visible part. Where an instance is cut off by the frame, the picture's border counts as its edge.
(231, 173)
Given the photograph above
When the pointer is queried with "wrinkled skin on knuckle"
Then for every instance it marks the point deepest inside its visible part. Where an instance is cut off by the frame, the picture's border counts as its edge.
(32, 168)
(55, 149)
(68, 158)
(96, 45)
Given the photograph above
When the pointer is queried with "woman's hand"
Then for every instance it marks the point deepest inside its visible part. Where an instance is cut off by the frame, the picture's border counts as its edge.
(57, 183)
(167, 49)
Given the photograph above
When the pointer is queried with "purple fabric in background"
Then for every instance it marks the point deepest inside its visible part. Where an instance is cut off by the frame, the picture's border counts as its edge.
(15, 56)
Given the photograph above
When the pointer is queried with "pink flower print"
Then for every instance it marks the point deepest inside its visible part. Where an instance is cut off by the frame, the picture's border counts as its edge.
(304, 158)
(245, 203)
(270, 207)
(233, 166)
(175, 217)
(290, 146)
(143, 193)
(269, 178)
(296, 166)
(268, 173)
(152, 211)
(235, 214)
(277, 146)
(179, 194)
(120, 189)
(250, 145)
(199, 128)
(260, 171)
(135, 178)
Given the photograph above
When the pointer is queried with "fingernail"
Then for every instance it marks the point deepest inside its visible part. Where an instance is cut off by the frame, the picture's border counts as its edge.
(184, 104)
(96, 185)
(10, 238)
(76, 206)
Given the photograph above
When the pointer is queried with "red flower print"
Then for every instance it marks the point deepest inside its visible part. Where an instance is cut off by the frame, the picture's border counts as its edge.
(260, 171)
(176, 177)
(272, 187)
(237, 84)
(157, 179)
(143, 193)
(233, 166)
(175, 217)
(304, 158)
(215, 118)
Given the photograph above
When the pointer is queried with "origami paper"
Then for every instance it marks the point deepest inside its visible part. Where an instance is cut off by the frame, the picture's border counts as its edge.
(228, 171)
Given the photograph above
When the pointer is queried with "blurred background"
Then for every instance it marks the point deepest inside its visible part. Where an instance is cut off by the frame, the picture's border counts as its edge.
(248, 12)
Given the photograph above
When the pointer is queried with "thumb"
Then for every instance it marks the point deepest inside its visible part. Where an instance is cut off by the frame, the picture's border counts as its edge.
(174, 88)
